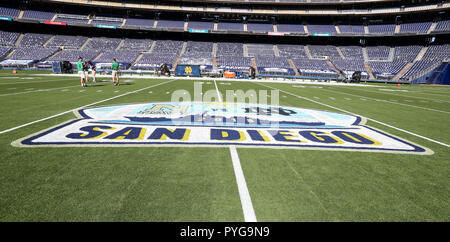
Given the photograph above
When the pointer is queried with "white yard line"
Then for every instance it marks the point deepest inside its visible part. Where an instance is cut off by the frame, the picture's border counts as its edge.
(395, 94)
(219, 95)
(397, 103)
(246, 201)
(71, 110)
(244, 194)
(437, 94)
(443, 91)
(373, 120)
(11, 83)
(39, 90)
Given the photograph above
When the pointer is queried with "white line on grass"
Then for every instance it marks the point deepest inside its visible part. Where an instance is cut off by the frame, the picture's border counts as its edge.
(219, 95)
(68, 111)
(440, 94)
(244, 194)
(40, 90)
(382, 100)
(373, 120)
(395, 94)
(246, 201)
(12, 83)
(430, 92)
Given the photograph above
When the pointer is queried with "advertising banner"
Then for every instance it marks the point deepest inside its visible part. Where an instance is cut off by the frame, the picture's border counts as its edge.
(188, 70)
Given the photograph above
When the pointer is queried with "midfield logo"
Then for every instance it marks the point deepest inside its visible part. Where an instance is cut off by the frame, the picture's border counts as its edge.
(219, 124)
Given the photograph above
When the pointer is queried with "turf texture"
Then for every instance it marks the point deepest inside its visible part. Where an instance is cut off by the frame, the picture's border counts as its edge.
(198, 183)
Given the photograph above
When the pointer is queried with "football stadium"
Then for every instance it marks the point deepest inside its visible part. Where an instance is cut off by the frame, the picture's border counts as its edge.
(225, 111)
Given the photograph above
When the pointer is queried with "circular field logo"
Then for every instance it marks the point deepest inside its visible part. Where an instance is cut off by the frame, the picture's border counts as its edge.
(219, 124)
(219, 114)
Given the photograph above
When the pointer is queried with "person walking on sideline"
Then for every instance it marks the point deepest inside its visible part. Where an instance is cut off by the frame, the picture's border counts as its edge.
(115, 72)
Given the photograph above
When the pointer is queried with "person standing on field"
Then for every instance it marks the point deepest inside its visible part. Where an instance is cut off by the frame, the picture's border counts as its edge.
(86, 71)
(81, 71)
(93, 69)
(115, 72)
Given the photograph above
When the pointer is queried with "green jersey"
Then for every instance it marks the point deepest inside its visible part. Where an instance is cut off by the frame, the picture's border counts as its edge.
(115, 66)
(80, 66)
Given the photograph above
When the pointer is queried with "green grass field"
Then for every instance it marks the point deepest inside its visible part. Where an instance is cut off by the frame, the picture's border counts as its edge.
(199, 183)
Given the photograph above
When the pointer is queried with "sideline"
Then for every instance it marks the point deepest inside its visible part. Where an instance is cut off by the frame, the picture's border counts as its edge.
(275, 80)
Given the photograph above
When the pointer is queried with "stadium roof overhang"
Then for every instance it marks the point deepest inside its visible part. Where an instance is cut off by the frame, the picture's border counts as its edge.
(314, 9)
